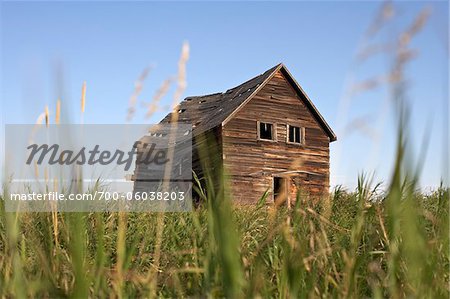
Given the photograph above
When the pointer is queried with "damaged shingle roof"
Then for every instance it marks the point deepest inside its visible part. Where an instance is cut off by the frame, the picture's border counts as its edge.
(209, 111)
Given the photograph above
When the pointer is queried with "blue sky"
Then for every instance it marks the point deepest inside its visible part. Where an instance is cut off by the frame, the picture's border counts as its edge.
(108, 45)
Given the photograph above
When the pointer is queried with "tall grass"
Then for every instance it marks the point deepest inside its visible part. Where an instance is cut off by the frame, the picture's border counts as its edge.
(395, 246)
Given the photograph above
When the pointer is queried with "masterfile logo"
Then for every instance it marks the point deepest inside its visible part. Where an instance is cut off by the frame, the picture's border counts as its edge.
(138, 165)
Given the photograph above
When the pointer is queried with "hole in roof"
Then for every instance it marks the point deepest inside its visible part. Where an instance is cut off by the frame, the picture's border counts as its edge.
(181, 110)
(157, 134)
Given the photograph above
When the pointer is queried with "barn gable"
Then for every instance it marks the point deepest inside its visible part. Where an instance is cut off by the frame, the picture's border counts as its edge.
(210, 111)
(253, 163)
(281, 69)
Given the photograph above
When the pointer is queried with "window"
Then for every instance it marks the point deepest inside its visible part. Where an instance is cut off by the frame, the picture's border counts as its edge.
(295, 135)
(266, 131)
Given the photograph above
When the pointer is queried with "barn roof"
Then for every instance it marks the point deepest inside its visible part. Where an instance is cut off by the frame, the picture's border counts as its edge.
(209, 111)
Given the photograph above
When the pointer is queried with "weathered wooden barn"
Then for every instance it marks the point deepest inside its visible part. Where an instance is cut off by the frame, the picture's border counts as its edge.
(267, 133)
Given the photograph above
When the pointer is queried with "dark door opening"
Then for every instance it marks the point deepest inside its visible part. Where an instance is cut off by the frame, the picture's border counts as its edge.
(279, 189)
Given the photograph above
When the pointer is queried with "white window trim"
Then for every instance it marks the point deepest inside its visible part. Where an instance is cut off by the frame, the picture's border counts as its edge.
(274, 132)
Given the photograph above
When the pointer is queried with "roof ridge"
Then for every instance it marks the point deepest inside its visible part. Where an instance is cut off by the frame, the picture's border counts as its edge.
(235, 87)
(203, 95)
(257, 76)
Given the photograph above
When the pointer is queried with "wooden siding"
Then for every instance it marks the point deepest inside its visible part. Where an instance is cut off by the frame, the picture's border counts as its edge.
(250, 164)
(207, 157)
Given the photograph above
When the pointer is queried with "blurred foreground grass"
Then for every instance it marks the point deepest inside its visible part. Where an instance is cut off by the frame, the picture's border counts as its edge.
(345, 246)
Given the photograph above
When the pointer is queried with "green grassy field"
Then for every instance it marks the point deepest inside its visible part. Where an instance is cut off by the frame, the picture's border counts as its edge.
(344, 246)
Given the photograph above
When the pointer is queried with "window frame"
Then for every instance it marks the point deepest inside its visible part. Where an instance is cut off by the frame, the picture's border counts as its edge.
(302, 135)
(274, 131)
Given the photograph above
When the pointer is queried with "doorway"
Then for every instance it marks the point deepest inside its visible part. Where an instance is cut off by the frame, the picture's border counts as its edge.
(280, 194)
